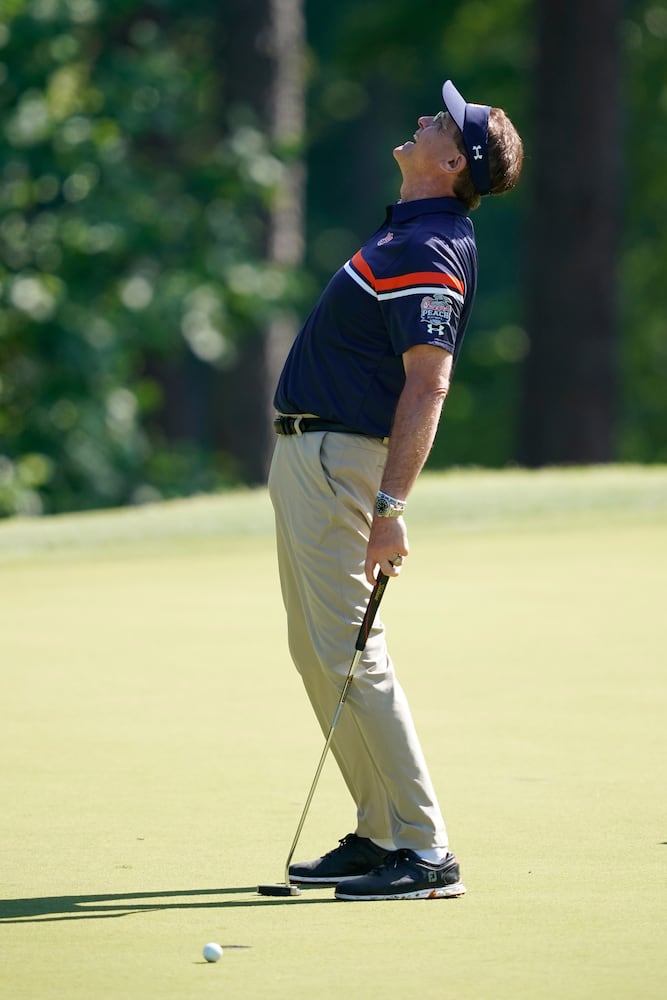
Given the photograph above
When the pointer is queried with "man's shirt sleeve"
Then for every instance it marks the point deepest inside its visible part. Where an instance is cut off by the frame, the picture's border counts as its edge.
(423, 298)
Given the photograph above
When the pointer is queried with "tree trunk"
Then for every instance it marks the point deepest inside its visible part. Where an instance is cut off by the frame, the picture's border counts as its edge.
(570, 379)
(264, 67)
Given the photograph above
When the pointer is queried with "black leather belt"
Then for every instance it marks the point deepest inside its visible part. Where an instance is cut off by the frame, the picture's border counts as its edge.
(300, 425)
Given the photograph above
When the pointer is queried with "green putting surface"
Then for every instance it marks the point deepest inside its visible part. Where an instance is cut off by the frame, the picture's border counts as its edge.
(158, 748)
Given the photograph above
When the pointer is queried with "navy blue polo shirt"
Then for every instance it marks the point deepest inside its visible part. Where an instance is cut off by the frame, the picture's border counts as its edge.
(412, 283)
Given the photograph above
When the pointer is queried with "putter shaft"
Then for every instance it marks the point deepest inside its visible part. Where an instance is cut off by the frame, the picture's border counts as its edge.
(373, 604)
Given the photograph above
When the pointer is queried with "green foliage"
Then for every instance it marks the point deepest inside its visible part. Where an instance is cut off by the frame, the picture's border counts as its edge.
(130, 231)
(133, 224)
(643, 323)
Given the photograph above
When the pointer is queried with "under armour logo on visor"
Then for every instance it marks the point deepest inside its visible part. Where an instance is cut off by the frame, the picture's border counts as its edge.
(477, 152)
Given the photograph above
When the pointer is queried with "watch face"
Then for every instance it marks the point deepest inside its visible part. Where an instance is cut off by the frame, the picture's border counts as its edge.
(382, 506)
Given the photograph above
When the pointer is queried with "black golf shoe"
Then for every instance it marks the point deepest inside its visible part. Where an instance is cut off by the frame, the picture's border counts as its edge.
(353, 856)
(404, 875)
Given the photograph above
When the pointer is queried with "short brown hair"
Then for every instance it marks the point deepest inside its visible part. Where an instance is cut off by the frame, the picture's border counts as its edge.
(505, 159)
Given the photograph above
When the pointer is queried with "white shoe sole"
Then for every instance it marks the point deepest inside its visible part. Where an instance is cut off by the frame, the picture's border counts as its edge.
(442, 892)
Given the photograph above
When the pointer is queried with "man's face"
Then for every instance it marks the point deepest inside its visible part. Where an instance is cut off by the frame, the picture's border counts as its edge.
(433, 143)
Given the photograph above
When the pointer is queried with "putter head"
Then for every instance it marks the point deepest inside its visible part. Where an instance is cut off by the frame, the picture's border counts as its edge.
(279, 889)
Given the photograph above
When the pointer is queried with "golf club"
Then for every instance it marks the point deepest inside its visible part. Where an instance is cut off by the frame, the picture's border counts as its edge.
(285, 888)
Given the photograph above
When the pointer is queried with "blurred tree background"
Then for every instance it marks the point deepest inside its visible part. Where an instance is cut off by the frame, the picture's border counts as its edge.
(178, 180)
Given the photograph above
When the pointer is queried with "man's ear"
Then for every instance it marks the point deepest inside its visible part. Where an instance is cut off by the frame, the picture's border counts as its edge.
(455, 165)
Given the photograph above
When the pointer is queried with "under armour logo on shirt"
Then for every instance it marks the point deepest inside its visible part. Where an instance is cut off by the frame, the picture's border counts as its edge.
(477, 151)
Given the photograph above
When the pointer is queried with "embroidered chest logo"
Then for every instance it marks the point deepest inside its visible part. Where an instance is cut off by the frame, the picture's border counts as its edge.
(436, 312)
(385, 239)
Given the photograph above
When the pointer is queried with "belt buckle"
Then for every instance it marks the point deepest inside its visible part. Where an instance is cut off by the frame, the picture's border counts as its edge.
(296, 422)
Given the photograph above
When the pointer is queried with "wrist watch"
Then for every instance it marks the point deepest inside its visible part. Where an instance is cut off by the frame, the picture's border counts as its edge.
(386, 506)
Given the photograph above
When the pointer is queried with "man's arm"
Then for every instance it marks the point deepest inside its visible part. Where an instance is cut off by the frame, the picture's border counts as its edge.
(427, 373)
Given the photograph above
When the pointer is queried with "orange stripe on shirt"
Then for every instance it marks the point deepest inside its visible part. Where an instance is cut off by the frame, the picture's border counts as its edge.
(406, 280)
(363, 268)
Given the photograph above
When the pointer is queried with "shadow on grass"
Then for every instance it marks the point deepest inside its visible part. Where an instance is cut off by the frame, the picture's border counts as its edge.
(103, 905)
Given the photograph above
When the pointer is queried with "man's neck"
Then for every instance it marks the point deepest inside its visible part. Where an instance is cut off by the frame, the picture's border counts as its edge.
(413, 190)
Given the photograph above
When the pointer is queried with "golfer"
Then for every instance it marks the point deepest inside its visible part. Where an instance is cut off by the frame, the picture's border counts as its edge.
(359, 401)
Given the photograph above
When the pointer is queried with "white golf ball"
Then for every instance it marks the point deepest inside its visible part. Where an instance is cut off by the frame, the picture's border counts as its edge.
(212, 952)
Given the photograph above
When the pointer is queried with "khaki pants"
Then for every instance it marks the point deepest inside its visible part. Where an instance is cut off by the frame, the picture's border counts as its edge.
(323, 487)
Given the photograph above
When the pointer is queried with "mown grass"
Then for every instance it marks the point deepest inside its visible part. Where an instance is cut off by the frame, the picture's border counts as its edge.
(157, 749)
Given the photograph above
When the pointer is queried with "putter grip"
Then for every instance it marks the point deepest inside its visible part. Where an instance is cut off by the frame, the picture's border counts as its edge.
(377, 594)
